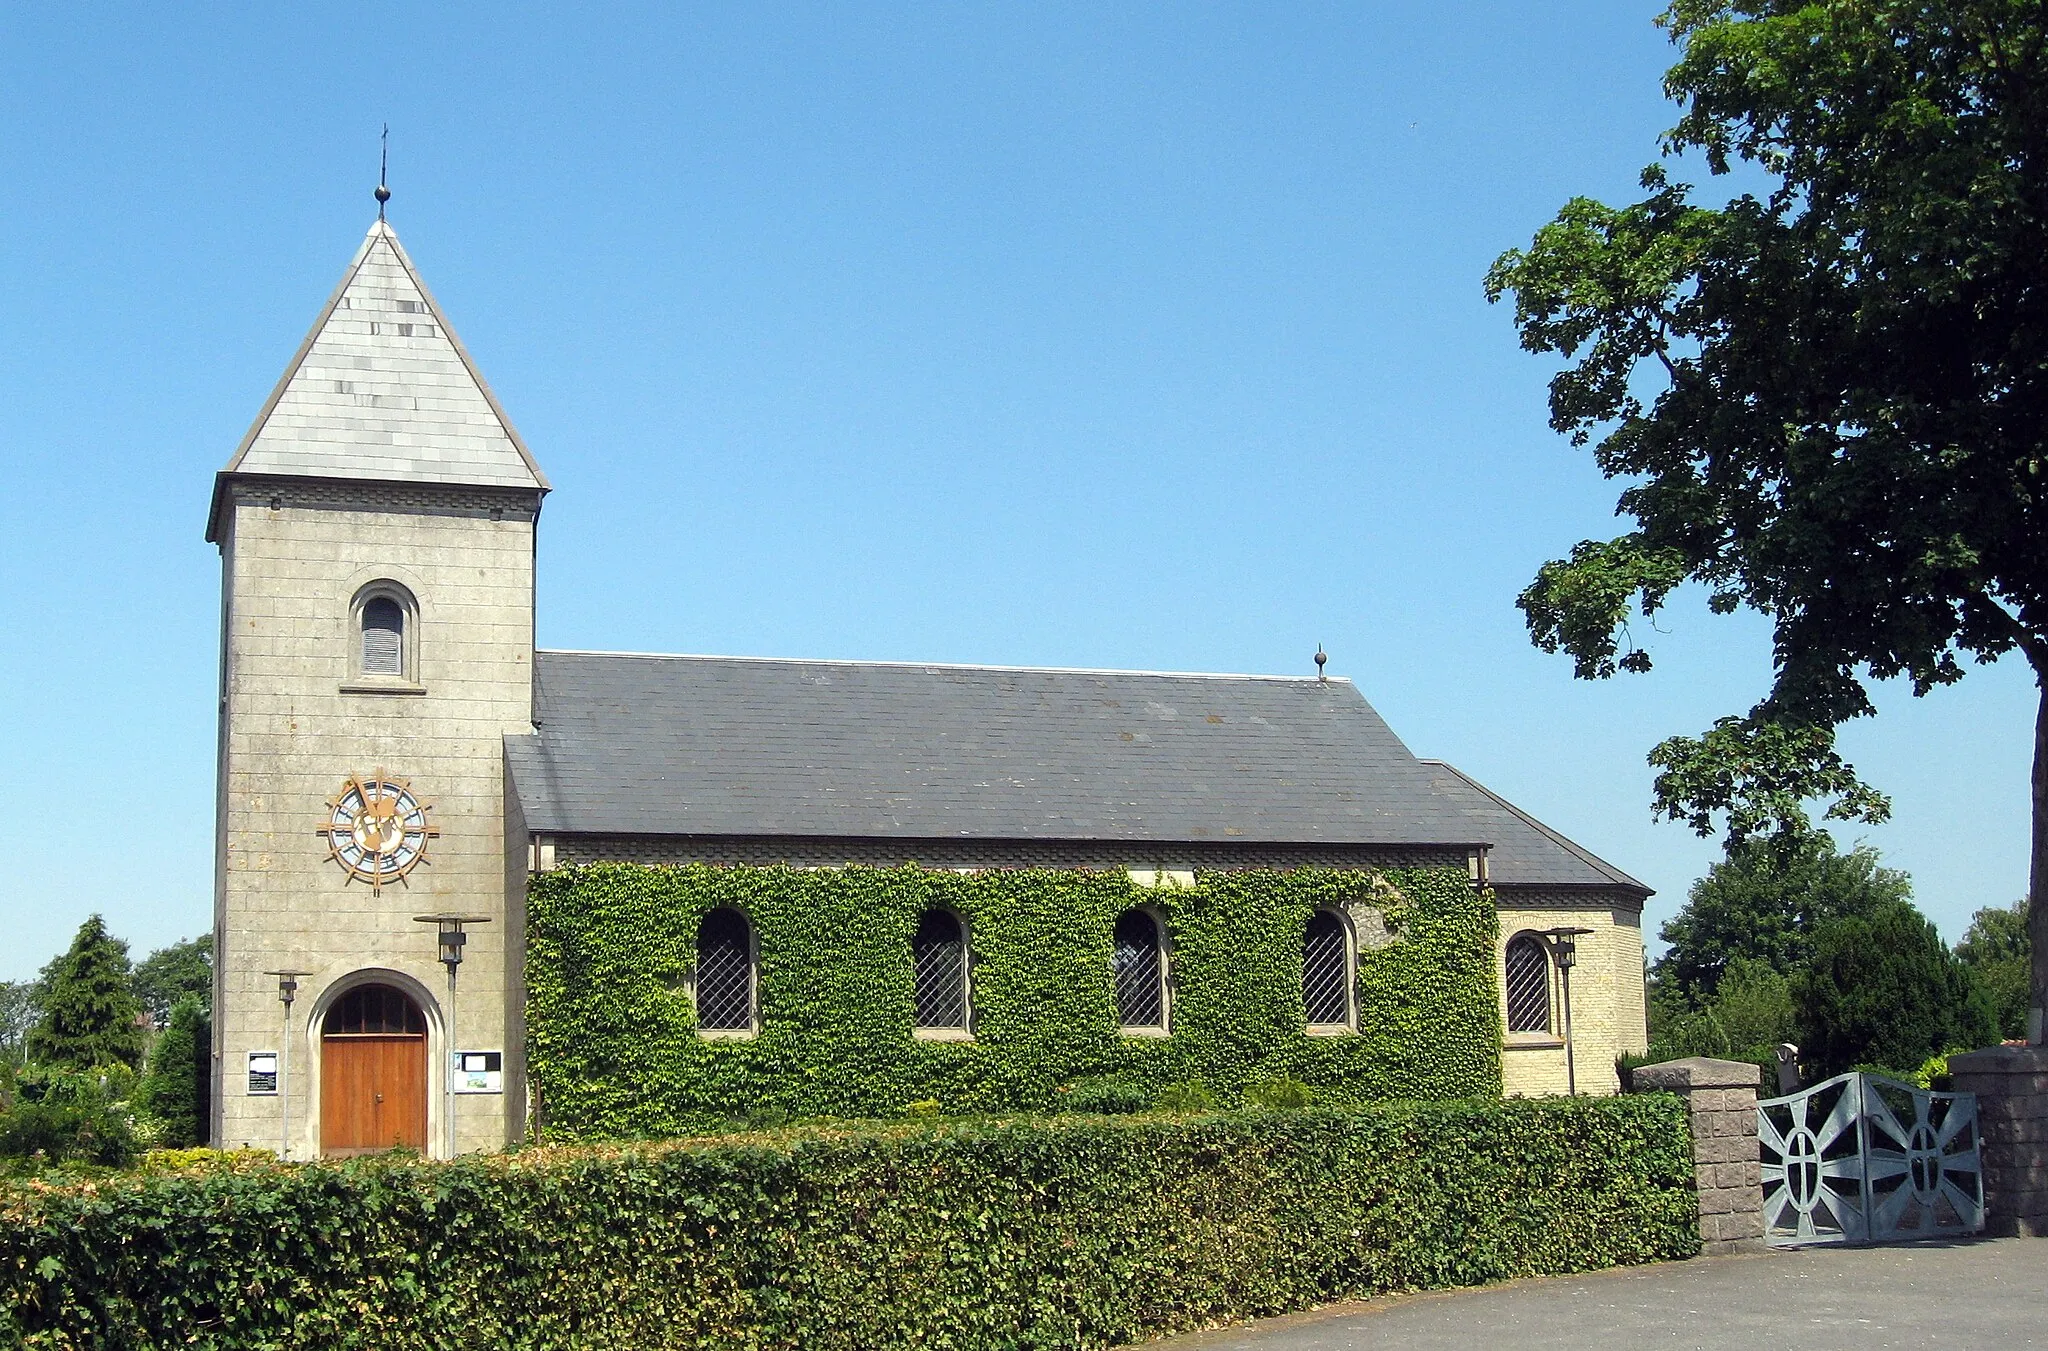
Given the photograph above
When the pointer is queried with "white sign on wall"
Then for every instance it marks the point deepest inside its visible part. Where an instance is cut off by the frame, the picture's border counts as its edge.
(479, 1071)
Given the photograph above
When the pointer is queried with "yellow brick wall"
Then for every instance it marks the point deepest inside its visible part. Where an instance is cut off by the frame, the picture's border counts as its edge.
(1607, 1001)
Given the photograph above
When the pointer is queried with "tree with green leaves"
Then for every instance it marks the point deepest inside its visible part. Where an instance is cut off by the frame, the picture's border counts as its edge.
(1996, 950)
(18, 1015)
(174, 1091)
(90, 1016)
(1749, 1015)
(180, 971)
(1828, 399)
(1884, 989)
(1762, 903)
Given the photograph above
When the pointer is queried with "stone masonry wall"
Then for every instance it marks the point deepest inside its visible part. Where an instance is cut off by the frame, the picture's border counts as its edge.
(291, 734)
(2011, 1084)
(1720, 1098)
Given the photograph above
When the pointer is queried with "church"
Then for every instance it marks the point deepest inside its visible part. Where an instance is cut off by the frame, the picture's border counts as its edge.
(398, 762)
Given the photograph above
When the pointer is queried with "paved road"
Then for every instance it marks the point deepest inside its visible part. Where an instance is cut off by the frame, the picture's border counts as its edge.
(1980, 1294)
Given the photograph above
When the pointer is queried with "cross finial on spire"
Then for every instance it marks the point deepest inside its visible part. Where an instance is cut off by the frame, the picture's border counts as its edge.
(383, 171)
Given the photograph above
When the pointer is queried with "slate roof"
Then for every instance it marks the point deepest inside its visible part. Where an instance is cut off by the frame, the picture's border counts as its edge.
(1525, 852)
(653, 745)
(382, 389)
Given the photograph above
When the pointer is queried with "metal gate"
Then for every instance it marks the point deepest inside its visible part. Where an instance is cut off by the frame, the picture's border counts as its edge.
(1860, 1158)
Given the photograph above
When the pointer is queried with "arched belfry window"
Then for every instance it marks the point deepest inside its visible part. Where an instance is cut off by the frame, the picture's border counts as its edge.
(1326, 972)
(1526, 981)
(386, 637)
(724, 981)
(938, 955)
(1138, 962)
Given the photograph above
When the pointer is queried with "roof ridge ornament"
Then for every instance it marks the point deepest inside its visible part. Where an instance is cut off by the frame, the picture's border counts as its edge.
(383, 193)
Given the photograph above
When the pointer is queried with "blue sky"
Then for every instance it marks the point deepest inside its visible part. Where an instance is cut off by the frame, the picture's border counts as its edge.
(1075, 335)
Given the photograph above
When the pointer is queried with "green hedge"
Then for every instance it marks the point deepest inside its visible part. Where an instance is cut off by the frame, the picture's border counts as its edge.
(613, 1049)
(1070, 1232)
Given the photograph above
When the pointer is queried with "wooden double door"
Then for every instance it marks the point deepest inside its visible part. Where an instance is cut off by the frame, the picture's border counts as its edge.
(373, 1074)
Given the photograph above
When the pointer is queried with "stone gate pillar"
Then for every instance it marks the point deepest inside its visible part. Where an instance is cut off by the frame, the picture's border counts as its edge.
(1720, 1096)
(2011, 1084)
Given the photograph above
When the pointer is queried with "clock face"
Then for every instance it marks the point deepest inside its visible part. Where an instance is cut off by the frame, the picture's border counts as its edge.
(377, 830)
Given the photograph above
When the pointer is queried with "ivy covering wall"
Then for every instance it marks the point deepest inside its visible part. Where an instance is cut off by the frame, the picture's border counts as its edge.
(614, 1051)
(1064, 1233)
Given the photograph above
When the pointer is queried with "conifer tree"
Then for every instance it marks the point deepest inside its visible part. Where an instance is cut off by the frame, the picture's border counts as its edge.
(1883, 989)
(90, 1012)
(174, 1091)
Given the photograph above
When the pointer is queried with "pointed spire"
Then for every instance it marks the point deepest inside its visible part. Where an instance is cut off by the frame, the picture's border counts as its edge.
(383, 390)
(383, 193)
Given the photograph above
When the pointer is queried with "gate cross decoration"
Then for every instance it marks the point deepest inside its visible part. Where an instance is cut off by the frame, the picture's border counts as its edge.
(1860, 1158)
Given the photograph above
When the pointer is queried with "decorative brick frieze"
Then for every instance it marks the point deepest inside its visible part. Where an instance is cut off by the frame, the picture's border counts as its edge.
(353, 495)
(817, 852)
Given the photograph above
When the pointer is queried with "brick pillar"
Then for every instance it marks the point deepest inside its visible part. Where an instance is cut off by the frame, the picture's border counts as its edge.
(2011, 1084)
(1720, 1096)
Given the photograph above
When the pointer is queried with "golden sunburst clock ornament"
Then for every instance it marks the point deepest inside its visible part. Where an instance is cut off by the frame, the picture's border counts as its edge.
(377, 830)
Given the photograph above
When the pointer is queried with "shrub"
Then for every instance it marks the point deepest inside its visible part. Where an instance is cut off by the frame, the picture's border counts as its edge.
(1278, 1095)
(1106, 1097)
(60, 1133)
(1933, 1072)
(107, 1085)
(1191, 1095)
(1067, 1232)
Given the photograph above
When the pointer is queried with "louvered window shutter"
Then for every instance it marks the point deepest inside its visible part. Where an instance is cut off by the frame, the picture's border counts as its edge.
(383, 638)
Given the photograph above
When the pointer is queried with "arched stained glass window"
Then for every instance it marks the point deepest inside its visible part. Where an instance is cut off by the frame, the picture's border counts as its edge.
(1326, 971)
(939, 970)
(383, 637)
(1139, 964)
(725, 972)
(1527, 983)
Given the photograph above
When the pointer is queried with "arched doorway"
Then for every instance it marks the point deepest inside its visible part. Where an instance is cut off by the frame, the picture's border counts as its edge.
(373, 1073)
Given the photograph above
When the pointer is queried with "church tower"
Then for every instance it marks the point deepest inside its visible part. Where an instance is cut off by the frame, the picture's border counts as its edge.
(376, 531)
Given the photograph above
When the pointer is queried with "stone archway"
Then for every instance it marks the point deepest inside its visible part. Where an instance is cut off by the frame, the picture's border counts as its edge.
(373, 1072)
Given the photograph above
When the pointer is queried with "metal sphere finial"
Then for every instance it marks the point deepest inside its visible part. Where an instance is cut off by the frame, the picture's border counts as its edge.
(383, 194)
(1322, 658)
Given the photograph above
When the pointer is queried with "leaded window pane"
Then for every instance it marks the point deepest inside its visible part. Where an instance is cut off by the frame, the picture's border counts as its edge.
(1325, 971)
(939, 968)
(383, 637)
(374, 1010)
(1528, 985)
(1140, 971)
(725, 973)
